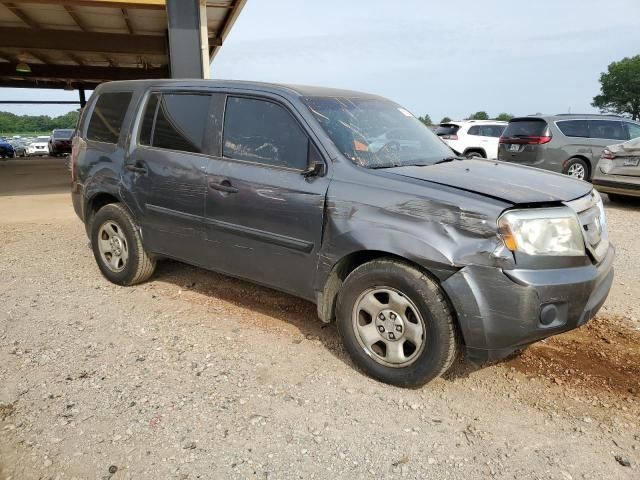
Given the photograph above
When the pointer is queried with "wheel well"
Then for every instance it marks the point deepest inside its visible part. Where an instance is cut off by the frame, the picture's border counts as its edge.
(95, 203)
(477, 150)
(327, 300)
(584, 159)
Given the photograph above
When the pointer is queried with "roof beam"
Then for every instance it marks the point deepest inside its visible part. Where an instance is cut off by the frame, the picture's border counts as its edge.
(66, 73)
(76, 18)
(137, 4)
(21, 15)
(36, 83)
(127, 21)
(81, 73)
(82, 41)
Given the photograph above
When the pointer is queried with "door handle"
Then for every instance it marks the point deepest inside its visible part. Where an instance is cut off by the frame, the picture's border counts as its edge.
(224, 186)
(136, 168)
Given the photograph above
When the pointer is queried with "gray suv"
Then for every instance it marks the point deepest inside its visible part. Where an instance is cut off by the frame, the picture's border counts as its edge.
(347, 200)
(569, 144)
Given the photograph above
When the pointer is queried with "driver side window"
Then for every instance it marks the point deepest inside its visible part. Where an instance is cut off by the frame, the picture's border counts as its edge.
(260, 131)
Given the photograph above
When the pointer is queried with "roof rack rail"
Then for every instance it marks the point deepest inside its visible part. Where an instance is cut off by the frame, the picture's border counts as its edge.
(589, 115)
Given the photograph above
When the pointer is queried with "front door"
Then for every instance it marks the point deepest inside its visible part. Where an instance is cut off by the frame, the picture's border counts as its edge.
(166, 173)
(264, 216)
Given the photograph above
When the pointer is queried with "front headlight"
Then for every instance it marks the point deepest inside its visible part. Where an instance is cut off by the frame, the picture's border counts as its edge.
(542, 231)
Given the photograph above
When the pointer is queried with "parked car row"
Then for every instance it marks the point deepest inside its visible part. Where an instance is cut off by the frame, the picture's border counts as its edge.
(598, 148)
(56, 144)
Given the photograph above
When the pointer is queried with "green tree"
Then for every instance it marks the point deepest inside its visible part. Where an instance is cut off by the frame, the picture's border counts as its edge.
(426, 120)
(620, 88)
(479, 116)
(445, 120)
(504, 117)
(12, 123)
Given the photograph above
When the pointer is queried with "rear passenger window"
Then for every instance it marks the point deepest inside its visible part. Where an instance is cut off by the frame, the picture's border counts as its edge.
(607, 129)
(180, 121)
(574, 128)
(475, 130)
(263, 132)
(107, 117)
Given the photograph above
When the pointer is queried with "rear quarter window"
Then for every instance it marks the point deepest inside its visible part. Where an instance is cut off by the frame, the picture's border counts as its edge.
(525, 128)
(107, 117)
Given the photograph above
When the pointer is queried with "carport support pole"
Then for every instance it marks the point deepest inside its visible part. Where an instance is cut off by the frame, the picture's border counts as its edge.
(188, 38)
(83, 100)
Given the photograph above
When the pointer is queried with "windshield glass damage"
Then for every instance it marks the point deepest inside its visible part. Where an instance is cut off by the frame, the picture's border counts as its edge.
(377, 133)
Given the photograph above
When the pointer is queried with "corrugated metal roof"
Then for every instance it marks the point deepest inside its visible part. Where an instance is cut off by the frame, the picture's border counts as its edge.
(83, 42)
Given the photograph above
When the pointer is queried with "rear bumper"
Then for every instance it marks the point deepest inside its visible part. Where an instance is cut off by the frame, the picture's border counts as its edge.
(60, 148)
(500, 311)
(621, 187)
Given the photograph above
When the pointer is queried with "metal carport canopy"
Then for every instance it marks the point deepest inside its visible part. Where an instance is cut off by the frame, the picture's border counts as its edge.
(77, 44)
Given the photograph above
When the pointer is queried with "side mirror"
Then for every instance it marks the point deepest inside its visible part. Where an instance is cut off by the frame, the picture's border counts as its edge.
(315, 164)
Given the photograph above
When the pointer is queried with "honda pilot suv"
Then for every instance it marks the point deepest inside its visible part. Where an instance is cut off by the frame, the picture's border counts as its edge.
(347, 200)
(569, 144)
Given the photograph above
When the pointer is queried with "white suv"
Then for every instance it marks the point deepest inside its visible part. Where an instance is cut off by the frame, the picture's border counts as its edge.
(473, 138)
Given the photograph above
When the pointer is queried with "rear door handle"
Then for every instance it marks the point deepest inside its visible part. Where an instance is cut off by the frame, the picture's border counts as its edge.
(137, 168)
(224, 186)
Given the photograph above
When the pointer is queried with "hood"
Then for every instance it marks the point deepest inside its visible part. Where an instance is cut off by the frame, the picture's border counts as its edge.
(504, 181)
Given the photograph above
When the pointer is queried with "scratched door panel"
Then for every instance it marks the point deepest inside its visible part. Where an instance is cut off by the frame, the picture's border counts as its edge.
(168, 173)
(270, 229)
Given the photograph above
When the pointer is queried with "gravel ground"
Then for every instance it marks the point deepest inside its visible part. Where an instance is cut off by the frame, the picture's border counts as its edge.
(195, 375)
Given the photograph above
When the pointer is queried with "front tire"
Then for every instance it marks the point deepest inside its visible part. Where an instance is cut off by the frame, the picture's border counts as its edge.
(117, 246)
(396, 324)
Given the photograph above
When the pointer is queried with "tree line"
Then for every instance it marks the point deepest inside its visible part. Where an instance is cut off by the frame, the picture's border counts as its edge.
(16, 124)
(503, 117)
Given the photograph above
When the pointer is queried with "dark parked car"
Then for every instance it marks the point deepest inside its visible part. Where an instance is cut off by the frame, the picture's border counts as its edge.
(60, 142)
(417, 254)
(6, 149)
(569, 144)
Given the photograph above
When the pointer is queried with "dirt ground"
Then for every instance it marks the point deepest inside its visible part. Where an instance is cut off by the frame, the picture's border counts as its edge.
(196, 375)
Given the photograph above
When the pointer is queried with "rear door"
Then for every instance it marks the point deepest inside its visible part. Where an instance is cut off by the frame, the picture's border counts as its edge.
(264, 217)
(578, 142)
(165, 172)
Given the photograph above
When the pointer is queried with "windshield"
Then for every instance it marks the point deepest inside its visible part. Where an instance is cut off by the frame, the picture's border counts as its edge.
(377, 133)
(62, 134)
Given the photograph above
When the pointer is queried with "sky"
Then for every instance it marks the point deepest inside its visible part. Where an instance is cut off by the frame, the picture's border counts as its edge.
(437, 58)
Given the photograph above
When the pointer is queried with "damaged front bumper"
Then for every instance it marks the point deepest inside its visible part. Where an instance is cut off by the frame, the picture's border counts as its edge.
(500, 311)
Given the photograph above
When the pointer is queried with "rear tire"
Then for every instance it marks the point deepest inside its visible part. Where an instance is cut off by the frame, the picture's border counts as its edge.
(410, 337)
(474, 155)
(577, 168)
(117, 246)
